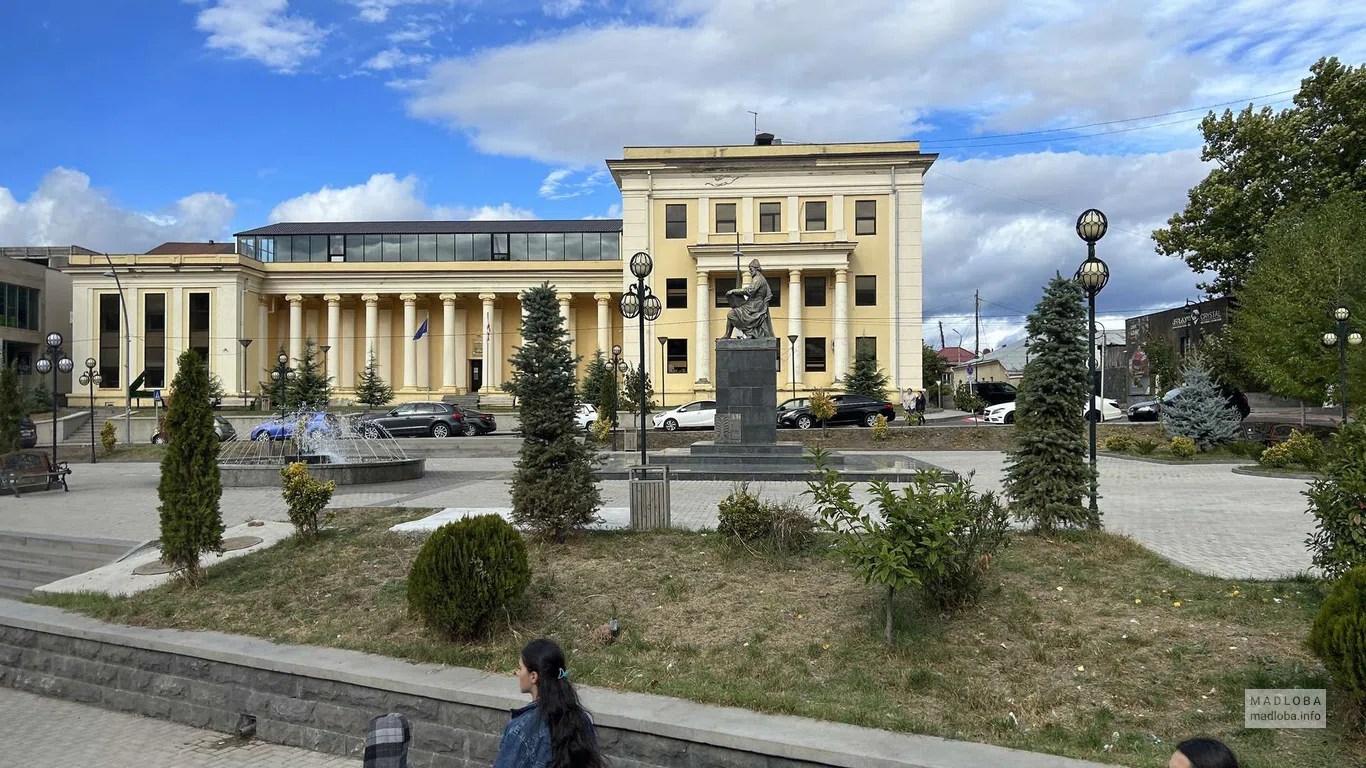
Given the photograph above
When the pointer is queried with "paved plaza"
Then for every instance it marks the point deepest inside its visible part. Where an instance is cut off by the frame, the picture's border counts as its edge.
(1201, 516)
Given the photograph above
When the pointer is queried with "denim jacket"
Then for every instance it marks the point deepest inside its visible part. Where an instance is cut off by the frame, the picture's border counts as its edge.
(526, 740)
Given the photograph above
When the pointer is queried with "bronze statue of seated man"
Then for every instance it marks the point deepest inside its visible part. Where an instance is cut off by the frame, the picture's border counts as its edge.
(749, 307)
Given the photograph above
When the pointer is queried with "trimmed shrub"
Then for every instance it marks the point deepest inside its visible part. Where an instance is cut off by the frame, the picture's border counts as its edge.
(465, 573)
(1306, 450)
(777, 527)
(880, 429)
(1276, 457)
(1254, 451)
(1119, 442)
(1145, 447)
(1339, 542)
(1183, 448)
(107, 438)
(306, 497)
(1338, 637)
(602, 430)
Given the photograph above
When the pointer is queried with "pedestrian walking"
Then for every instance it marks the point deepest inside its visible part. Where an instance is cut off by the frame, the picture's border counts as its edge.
(387, 741)
(908, 404)
(554, 730)
(1202, 753)
(920, 399)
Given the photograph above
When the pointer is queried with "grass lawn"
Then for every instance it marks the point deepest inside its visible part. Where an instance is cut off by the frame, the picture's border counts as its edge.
(1083, 641)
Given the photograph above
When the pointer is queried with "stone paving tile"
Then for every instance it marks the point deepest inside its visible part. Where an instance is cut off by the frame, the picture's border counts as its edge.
(40, 731)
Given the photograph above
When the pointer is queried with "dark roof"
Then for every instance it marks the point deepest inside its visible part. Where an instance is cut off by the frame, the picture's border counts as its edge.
(955, 355)
(434, 227)
(192, 248)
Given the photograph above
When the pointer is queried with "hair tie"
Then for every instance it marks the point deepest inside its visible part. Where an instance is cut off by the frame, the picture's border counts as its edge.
(563, 673)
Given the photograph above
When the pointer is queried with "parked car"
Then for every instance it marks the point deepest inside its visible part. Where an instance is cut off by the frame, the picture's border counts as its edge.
(28, 433)
(1151, 410)
(1005, 412)
(995, 392)
(222, 429)
(699, 414)
(586, 415)
(476, 422)
(282, 427)
(849, 409)
(413, 419)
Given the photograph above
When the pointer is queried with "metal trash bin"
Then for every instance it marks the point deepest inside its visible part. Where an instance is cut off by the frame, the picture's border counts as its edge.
(649, 488)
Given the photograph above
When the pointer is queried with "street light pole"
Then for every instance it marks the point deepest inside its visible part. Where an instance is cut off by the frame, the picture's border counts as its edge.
(616, 391)
(245, 343)
(55, 361)
(663, 363)
(91, 378)
(1092, 276)
(1341, 339)
(127, 355)
(792, 358)
(639, 302)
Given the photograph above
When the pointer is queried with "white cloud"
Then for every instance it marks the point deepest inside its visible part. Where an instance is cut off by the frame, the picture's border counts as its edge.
(66, 210)
(561, 9)
(412, 33)
(613, 212)
(876, 69)
(376, 11)
(393, 58)
(261, 30)
(561, 183)
(384, 197)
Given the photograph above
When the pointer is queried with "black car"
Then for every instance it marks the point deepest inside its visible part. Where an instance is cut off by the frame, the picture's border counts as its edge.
(995, 392)
(28, 433)
(849, 409)
(410, 419)
(1151, 410)
(476, 422)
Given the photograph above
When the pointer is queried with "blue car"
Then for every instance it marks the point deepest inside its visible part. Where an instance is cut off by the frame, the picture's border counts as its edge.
(283, 428)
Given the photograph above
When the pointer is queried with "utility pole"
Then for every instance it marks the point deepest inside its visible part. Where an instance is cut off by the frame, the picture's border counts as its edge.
(976, 333)
(941, 334)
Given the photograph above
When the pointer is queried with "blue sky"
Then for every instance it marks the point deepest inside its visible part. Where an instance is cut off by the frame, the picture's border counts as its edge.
(131, 122)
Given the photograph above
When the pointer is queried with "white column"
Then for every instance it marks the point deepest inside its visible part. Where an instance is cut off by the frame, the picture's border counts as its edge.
(794, 323)
(371, 327)
(448, 334)
(296, 326)
(566, 315)
(348, 342)
(794, 234)
(702, 354)
(334, 338)
(409, 346)
(487, 330)
(264, 352)
(604, 324)
(841, 323)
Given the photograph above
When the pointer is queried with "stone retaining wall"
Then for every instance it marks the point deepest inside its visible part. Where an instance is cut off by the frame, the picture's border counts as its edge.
(322, 699)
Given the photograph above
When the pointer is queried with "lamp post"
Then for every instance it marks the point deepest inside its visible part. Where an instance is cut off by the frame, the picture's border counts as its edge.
(245, 343)
(792, 358)
(127, 355)
(639, 302)
(616, 391)
(90, 378)
(282, 371)
(1092, 276)
(1341, 339)
(663, 363)
(55, 360)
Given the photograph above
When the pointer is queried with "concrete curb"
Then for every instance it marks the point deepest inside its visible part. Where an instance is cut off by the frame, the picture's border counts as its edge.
(1286, 474)
(792, 738)
(1170, 462)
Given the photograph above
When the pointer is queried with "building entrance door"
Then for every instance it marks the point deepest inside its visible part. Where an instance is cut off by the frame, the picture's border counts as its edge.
(476, 375)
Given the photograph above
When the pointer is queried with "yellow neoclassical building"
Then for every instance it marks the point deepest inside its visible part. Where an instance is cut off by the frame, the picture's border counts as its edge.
(837, 228)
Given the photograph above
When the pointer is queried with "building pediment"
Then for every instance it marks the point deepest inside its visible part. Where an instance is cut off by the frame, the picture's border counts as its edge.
(720, 257)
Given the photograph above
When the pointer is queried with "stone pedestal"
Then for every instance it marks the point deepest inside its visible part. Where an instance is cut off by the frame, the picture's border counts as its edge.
(746, 392)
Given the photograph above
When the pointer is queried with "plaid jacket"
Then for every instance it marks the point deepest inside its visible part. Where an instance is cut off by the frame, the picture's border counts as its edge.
(386, 742)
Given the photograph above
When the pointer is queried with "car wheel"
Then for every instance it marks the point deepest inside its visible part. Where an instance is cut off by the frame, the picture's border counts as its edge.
(870, 419)
(371, 432)
(1094, 415)
(262, 437)
(588, 426)
(469, 430)
(158, 439)
(805, 422)
(440, 429)
(670, 425)
(1010, 418)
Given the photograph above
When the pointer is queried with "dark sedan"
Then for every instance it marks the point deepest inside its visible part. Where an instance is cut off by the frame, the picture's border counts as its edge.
(849, 409)
(1151, 410)
(476, 422)
(412, 419)
(28, 433)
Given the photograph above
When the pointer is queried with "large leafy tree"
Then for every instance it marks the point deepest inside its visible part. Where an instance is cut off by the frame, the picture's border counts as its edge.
(866, 378)
(1048, 475)
(12, 408)
(932, 365)
(1266, 161)
(1312, 260)
(189, 491)
(554, 490)
(310, 389)
(630, 391)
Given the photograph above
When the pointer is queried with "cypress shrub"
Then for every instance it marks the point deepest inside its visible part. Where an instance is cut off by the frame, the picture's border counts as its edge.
(189, 491)
(1338, 636)
(465, 573)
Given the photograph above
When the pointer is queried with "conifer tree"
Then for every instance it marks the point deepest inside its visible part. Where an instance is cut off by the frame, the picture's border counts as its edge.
(554, 490)
(630, 392)
(1200, 411)
(189, 491)
(310, 389)
(608, 401)
(593, 375)
(866, 378)
(12, 408)
(1048, 475)
(372, 390)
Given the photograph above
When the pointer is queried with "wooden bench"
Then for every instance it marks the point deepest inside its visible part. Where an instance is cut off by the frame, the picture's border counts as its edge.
(31, 468)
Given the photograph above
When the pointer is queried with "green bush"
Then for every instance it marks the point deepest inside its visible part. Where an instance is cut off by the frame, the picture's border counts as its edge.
(602, 430)
(1339, 541)
(1183, 448)
(1306, 450)
(1338, 637)
(305, 497)
(757, 524)
(465, 573)
(966, 400)
(107, 438)
(1119, 442)
(1254, 451)
(1276, 457)
(880, 429)
(1145, 446)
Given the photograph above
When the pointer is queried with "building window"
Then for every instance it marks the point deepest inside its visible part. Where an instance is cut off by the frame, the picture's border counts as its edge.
(592, 246)
(573, 246)
(675, 221)
(445, 247)
(408, 248)
(815, 216)
(725, 218)
(535, 247)
(865, 290)
(19, 307)
(676, 293)
(426, 247)
(500, 247)
(611, 246)
(815, 353)
(336, 247)
(391, 252)
(814, 290)
(355, 247)
(723, 286)
(865, 217)
(865, 345)
(770, 217)
(109, 340)
(775, 289)
(265, 249)
(154, 340)
(199, 324)
(678, 356)
(374, 248)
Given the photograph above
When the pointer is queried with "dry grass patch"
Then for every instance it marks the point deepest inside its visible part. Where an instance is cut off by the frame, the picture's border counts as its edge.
(1077, 639)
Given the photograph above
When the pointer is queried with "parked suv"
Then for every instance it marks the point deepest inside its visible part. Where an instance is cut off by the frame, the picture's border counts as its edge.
(28, 433)
(849, 409)
(995, 392)
(410, 419)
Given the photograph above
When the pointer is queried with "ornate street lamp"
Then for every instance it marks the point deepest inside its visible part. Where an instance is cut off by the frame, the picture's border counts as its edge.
(43, 366)
(1341, 339)
(1092, 276)
(90, 378)
(639, 302)
(616, 390)
(663, 370)
(792, 343)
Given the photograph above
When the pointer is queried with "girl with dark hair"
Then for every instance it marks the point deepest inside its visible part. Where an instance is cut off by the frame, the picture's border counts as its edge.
(554, 730)
(1202, 753)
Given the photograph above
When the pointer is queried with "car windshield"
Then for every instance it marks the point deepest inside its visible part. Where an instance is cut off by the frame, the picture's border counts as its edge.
(1170, 396)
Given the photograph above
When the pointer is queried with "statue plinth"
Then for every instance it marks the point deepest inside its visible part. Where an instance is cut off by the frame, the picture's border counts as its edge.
(746, 392)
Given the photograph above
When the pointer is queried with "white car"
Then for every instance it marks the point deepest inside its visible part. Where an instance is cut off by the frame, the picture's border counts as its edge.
(699, 414)
(586, 416)
(1004, 413)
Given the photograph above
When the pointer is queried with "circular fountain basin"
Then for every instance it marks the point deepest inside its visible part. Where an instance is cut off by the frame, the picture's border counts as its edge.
(248, 473)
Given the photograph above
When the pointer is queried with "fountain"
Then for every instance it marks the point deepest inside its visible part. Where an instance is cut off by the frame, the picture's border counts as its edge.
(333, 448)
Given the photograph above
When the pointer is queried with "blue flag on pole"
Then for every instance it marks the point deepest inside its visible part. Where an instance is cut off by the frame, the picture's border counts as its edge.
(421, 329)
